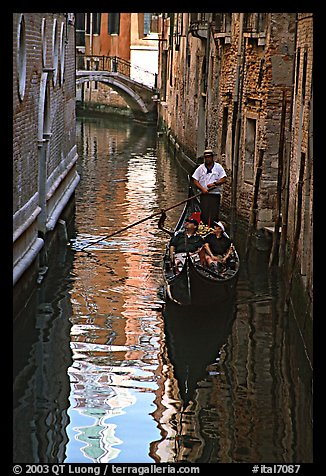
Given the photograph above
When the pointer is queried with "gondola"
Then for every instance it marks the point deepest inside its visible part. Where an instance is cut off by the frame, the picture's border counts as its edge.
(196, 284)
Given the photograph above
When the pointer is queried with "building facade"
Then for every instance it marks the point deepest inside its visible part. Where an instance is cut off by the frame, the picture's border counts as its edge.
(130, 37)
(44, 144)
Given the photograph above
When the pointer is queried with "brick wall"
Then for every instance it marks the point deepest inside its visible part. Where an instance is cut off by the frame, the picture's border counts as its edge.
(38, 120)
(266, 66)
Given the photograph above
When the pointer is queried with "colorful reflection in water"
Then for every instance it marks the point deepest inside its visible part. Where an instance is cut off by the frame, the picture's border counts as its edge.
(117, 326)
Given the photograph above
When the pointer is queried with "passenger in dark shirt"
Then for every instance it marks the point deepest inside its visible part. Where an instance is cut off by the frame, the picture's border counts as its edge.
(187, 240)
(217, 246)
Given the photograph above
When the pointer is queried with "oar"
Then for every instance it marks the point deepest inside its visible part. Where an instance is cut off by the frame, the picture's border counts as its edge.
(140, 221)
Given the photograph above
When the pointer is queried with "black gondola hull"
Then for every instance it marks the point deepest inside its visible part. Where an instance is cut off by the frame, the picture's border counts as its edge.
(191, 287)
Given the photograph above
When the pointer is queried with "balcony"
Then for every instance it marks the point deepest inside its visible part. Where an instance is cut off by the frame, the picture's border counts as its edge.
(199, 23)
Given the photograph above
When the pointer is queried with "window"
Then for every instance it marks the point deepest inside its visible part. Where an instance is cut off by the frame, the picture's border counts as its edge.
(62, 52)
(297, 71)
(93, 23)
(154, 22)
(178, 30)
(43, 35)
(21, 59)
(96, 23)
(150, 23)
(55, 51)
(254, 22)
(222, 22)
(114, 24)
(147, 23)
(224, 129)
(80, 30)
(80, 21)
(199, 17)
(250, 146)
(304, 75)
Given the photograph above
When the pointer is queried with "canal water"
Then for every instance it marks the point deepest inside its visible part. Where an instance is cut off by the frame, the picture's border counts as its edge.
(105, 371)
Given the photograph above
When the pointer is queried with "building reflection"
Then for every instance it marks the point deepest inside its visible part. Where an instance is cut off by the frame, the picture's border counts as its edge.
(97, 401)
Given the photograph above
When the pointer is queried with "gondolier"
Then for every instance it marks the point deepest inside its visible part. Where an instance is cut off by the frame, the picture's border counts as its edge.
(209, 178)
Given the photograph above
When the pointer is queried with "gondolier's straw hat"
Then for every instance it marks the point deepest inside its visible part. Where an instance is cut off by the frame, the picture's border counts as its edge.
(208, 152)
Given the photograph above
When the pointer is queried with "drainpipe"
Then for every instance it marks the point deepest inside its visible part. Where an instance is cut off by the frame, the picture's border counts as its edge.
(237, 110)
(91, 34)
(208, 44)
(90, 51)
(42, 158)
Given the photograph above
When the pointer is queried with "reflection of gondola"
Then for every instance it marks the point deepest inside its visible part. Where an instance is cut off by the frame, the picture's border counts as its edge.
(194, 337)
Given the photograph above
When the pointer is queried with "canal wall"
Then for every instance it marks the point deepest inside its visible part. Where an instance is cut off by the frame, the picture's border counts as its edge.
(44, 143)
(99, 109)
(38, 270)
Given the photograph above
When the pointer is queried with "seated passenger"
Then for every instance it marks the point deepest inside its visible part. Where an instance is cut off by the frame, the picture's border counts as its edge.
(187, 240)
(218, 247)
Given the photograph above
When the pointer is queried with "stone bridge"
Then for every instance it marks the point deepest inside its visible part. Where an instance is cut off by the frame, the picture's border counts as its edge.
(141, 99)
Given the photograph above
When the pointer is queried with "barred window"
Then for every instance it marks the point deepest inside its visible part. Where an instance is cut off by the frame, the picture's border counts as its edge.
(254, 22)
(222, 22)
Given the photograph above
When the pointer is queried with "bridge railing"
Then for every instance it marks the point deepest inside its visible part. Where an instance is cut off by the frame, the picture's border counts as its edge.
(114, 64)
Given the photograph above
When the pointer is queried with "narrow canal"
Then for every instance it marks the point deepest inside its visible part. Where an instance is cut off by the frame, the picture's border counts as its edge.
(105, 372)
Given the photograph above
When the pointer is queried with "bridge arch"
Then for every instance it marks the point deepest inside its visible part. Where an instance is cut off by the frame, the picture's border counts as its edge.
(120, 84)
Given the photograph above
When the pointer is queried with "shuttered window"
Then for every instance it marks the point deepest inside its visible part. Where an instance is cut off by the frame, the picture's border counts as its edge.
(114, 24)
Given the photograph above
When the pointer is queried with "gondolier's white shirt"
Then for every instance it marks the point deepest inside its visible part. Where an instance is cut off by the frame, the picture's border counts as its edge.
(205, 178)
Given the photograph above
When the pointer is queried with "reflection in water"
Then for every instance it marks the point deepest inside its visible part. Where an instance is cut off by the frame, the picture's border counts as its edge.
(194, 337)
(129, 384)
(41, 360)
